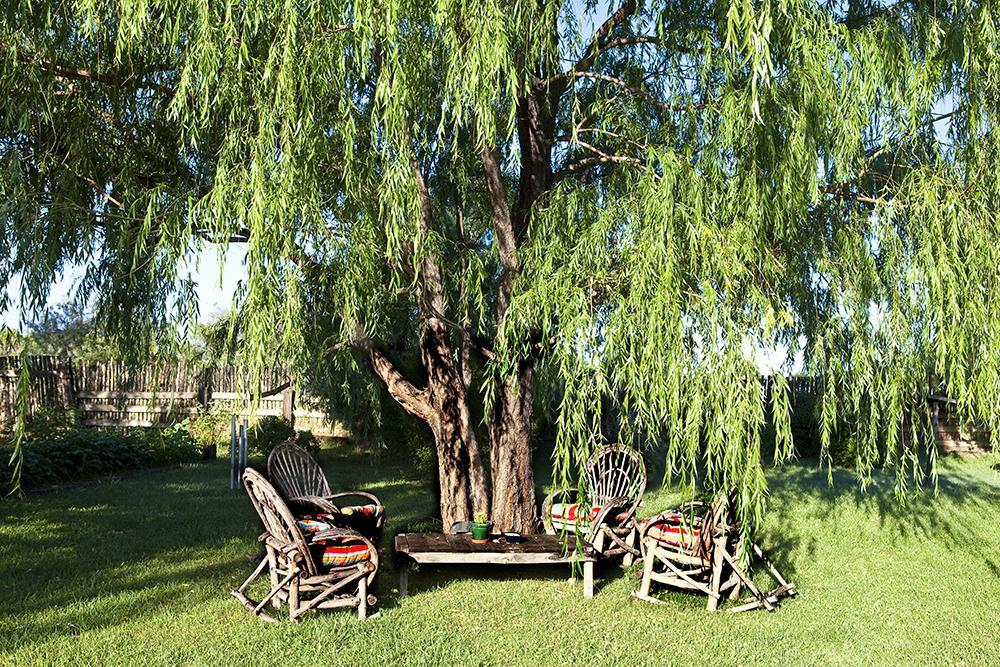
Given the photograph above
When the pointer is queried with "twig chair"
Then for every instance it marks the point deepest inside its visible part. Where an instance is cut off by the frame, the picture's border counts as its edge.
(615, 480)
(698, 547)
(301, 481)
(347, 561)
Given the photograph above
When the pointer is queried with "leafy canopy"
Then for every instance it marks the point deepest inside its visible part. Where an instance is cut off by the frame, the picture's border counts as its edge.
(728, 176)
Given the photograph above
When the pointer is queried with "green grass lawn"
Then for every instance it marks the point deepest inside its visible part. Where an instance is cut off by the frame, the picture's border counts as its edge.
(138, 572)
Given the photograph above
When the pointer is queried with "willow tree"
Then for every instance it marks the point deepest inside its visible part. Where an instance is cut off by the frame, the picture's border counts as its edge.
(632, 198)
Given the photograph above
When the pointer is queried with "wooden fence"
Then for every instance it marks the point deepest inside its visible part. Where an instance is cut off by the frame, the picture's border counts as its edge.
(112, 394)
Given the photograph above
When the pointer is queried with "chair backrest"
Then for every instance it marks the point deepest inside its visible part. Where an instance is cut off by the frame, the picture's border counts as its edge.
(616, 475)
(278, 520)
(717, 521)
(295, 472)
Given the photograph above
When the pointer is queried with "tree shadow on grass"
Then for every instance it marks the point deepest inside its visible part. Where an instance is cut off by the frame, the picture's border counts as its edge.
(87, 558)
(91, 557)
(951, 517)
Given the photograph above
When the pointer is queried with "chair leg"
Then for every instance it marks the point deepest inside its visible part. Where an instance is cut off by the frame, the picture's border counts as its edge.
(363, 598)
(272, 562)
(647, 575)
(598, 543)
(734, 594)
(717, 564)
(293, 600)
(631, 540)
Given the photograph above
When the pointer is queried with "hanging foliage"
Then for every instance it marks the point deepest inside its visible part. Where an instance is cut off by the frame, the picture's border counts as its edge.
(451, 196)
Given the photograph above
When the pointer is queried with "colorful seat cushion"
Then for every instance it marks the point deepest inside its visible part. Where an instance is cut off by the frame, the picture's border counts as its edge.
(371, 511)
(673, 528)
(362, 518)
(567, 514)
(336, 552)
(343, 551)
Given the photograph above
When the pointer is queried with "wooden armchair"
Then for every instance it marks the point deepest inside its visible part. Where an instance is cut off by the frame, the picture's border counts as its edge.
(301, 481)
(325, 569)
(698, 547)
(615, 481)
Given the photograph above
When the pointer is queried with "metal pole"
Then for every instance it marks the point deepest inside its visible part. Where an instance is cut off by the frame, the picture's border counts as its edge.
(232, 453)
(243, 447)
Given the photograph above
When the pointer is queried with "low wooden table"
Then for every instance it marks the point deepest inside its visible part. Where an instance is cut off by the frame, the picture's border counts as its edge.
(442, 549)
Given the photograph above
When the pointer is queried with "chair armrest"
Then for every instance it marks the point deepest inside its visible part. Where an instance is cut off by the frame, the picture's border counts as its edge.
(670, 516)
(358, 494)
(333, 532)
(380, 517)
(690, 505)
(316, 502)
(288, 549)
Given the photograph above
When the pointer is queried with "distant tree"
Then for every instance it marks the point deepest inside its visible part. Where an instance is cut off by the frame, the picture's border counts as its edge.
(633, 198)
(68, 330)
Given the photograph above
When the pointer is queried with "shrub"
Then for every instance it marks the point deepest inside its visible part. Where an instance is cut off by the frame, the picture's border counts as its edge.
(50, 421)
(212, 427)
(173, 444)
(307, 441)
(82, 453)
(269, 432)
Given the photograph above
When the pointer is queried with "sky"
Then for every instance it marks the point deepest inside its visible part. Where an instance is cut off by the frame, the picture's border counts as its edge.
(216, 278)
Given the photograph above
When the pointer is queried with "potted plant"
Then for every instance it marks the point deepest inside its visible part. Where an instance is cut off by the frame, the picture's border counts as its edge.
(480, 528)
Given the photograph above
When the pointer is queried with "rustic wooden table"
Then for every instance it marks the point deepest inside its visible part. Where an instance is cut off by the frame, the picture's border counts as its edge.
(442, 549)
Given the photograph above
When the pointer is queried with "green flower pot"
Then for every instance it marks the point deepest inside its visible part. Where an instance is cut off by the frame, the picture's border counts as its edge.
(479, 532)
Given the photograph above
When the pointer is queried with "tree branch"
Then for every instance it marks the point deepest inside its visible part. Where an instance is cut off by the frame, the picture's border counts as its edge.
(503, 227)
(70, 73)
(412, 399)
(638, 92)
(599, 41)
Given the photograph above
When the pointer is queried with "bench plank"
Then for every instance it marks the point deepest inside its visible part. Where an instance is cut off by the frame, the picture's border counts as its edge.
(442, 549)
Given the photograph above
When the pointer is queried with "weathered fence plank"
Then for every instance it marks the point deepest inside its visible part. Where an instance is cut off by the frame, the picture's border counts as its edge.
(112, 394)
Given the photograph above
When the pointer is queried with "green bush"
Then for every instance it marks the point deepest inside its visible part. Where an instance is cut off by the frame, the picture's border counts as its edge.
(50, 421)
(307, 441)
(269, 432)
(213, 427)
(82, 453)
(173, 444)
(806, 431)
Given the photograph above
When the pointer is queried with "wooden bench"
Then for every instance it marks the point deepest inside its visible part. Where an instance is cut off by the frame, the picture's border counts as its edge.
(442, 549)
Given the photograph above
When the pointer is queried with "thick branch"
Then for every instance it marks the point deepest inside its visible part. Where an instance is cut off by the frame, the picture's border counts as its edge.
(641, 93)
(70, 73)
(412, 399)
(432, 291)
(503, 227)
(586, 163)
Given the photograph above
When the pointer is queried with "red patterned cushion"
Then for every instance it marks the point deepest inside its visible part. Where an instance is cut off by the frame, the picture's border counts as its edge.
(313, 523)
(344, 551)
(673, 528)
(570, 513)
(337, 552)
(368, 511)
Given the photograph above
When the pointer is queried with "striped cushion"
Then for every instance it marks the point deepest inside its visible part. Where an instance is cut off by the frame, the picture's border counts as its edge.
(368, 511)
(313, 523)
(673, 528)
(337, 552)
(362, 518)
(344, 551)
(567, 514)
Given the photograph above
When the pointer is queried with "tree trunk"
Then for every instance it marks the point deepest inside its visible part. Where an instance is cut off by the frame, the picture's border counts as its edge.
(460, 467)
(510, 459)
(443, 405)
